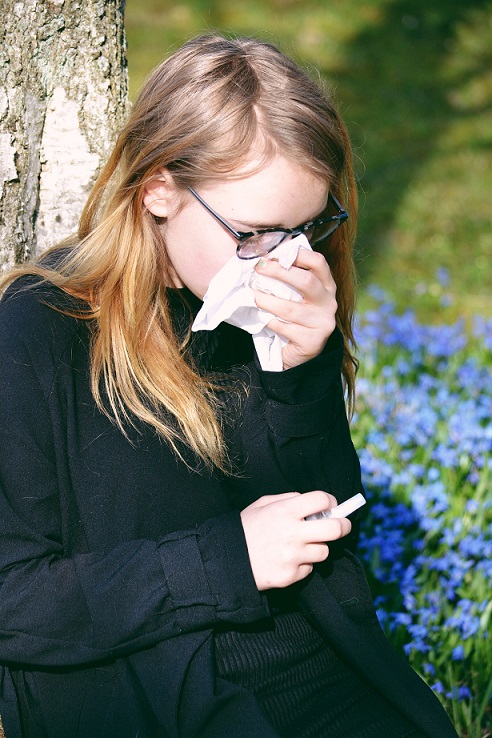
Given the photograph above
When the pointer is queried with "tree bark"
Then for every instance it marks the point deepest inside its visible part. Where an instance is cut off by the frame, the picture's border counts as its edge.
(63, 98)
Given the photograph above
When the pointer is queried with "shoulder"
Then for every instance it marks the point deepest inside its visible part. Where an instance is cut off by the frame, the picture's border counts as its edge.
(34, 318)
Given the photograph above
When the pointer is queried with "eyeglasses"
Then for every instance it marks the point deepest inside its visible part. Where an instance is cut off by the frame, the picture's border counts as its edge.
(253, 244)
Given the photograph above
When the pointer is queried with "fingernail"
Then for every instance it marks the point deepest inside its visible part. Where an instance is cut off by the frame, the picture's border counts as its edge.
(261, 264)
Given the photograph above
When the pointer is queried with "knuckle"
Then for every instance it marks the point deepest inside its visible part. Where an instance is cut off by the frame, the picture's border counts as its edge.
(283, 581)
(306, 570)
(338, 527)
(329, 500)
(288, 309)
(321, 498)
(307, 281)
(332, 500)
(318, 259)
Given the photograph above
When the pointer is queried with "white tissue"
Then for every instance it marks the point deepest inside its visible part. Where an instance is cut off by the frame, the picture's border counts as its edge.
(230, 298)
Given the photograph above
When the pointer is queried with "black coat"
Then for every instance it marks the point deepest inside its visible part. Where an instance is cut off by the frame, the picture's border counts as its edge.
(117, 561)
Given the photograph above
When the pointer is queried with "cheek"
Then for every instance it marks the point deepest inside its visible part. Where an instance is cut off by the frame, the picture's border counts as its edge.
(197, 249)
(206, 270)
(197, 264)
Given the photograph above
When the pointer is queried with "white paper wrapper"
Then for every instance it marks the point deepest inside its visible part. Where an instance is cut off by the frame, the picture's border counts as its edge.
(230, 299)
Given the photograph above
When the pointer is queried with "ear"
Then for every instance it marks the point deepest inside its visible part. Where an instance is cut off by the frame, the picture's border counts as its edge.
(159, 192)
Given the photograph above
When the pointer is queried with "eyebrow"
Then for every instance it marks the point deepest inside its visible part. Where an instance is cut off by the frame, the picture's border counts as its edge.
(241, 224)
(259, 227)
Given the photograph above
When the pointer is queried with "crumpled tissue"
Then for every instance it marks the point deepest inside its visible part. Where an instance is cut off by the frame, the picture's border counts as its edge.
(230, 298)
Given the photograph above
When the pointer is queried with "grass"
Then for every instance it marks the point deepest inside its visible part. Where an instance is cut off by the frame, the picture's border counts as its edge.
(414, 82)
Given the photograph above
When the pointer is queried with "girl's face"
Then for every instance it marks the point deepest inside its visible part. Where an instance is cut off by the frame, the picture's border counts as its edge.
(282, 193)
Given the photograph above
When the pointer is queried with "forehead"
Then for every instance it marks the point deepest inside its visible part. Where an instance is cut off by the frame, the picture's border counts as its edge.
(281, 192)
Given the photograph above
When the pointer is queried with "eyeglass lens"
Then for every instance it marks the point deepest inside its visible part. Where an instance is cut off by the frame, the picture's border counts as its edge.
(263, 243)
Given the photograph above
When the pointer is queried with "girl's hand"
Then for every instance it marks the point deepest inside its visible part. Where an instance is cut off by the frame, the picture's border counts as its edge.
(306, 325)
(282, 546)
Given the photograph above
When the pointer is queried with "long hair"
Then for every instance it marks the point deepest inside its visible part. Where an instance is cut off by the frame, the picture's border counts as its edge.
(199, 114)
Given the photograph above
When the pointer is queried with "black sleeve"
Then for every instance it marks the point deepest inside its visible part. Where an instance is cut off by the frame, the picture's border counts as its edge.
(293, 434)
(58, 607)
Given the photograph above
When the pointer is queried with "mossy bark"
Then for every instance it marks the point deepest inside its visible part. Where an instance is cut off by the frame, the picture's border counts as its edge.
(63, 98)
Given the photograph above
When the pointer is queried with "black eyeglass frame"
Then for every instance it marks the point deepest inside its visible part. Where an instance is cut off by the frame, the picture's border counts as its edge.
(241, 236)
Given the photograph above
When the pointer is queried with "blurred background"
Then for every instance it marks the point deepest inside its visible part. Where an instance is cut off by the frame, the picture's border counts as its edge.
(414, 84)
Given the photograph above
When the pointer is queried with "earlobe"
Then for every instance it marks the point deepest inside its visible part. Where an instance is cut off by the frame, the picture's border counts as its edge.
(158, 193)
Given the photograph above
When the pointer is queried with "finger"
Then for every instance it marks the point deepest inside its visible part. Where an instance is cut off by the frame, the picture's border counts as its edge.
(326, 529)
(276, 305)
(316, 552)
(307, 262)
(315, 263)
(305, 281)
(308, 339)
(303, 344)
(306, 314)
(310, 503)
(313, 260)
(270, 499)
(303, 571)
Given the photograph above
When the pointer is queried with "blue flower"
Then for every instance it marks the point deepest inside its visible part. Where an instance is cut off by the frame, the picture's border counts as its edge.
(423, 427)
(464, 693)
(438, 688)
(458, 653)
(429, 669)
(459, 693)
(403, 618)
(382, 617)
(377, 293)
(442, 276)
(433, 474)
(472, 506)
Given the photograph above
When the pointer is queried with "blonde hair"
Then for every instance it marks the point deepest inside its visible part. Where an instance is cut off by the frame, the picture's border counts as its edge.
(199, 114)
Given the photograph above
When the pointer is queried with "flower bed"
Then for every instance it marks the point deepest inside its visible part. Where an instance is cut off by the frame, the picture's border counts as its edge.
(423, 427)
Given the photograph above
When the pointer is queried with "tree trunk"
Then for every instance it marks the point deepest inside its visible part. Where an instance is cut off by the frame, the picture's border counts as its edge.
(63, 97)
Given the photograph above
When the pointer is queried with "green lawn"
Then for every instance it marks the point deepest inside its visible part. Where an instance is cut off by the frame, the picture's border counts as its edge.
(414, 81)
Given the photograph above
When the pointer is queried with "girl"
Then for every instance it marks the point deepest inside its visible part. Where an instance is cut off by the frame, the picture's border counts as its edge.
(158, 576)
